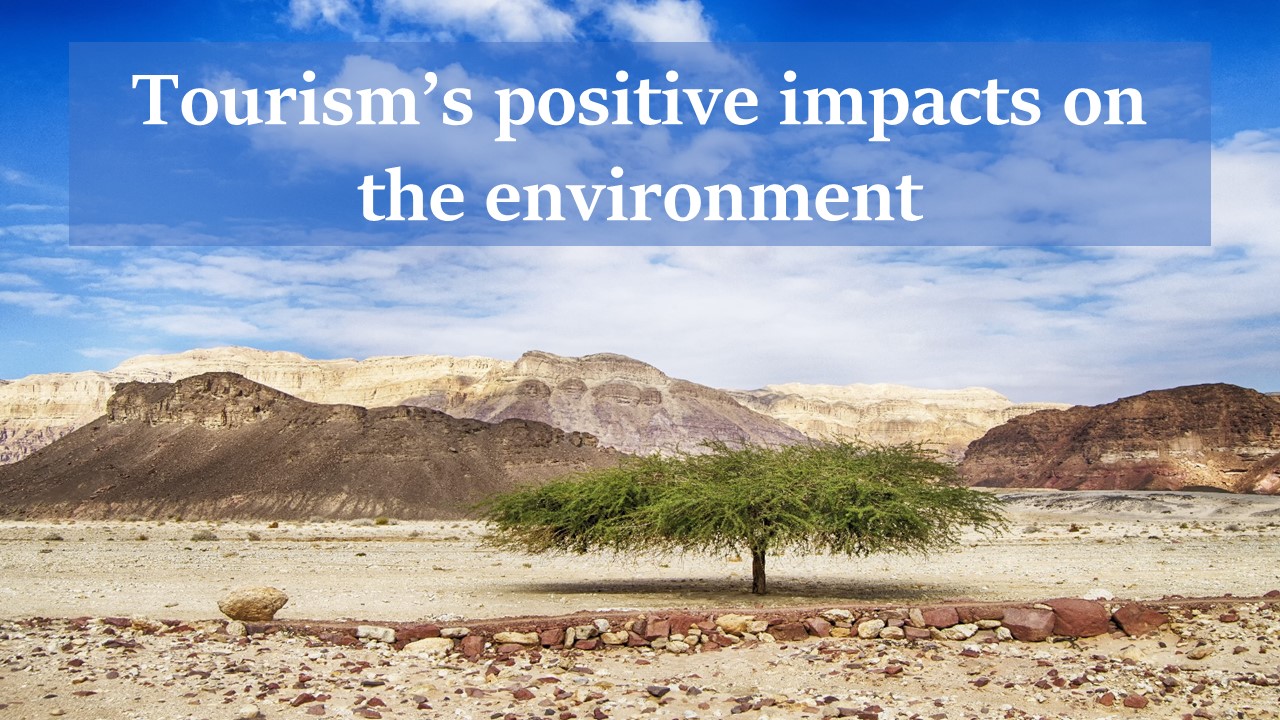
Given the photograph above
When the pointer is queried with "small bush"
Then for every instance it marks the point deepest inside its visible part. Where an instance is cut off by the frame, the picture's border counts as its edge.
(253, 536)
(203, 536)
(274, 525)
(142, 538)
(1074, 528)
(52, 537)
(382, 520)
(362, 522)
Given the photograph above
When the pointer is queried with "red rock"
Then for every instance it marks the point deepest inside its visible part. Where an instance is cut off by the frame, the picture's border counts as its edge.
(940, 617)
(680, 624)
(1135, 701)
(510, 648)
(1228, 617)
(709, 646)
(1075, 617)
(1272, 594)
(974, 613)
(707, 626)
(916, 633)
(1138, 619)
(302, 699)
(1107, 699)
(551, 637)
(315, 710)
(1029, 624)
(472, 647)
(655, 629)
(367, 713)
(591, 644)
(635, 639)
(522, 694)
(406, 635)
(818, 626)
(892, 669)
(789, 632)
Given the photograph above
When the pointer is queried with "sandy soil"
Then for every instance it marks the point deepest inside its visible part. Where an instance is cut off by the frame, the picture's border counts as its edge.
(1133, 545)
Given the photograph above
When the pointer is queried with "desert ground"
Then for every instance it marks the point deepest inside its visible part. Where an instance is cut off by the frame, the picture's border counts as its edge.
(1059, 544)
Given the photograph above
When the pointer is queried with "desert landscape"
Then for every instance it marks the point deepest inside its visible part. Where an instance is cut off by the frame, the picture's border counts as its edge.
(1138, 574)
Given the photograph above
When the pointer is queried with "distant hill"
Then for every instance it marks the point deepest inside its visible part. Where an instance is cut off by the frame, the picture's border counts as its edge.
(1196, 437)
(218, 445)
(945, 420)
(627, 404)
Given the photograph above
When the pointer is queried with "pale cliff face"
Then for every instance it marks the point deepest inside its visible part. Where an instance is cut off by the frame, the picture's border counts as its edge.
(628, 404)
(946, 420)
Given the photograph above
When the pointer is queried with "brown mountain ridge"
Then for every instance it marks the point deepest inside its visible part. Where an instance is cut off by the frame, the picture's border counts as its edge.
(1214, 436)
(219, 446)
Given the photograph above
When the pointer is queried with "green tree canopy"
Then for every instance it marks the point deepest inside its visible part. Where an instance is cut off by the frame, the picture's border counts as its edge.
(835, 497)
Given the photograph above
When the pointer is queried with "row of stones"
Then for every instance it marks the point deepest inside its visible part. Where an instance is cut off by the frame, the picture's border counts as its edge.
(1063, 617)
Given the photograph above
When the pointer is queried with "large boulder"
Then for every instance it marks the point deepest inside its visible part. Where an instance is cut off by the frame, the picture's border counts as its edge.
(1079, 618)
(255, 604)
(1029, 624)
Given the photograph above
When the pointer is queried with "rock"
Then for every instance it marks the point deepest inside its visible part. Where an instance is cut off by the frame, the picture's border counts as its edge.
(988, 624)
(248, 712)
(915, 633)
(602, 625)
(657, 691)
(963, 631)
(254, 604)
(1131, 653)
(818, 626)
(835, 615)
(734, 624)
(1029, 624)
(235, 628)
(472, 647)
(1075, 617)
(841, 632)
(1002, 633)
(517, 638)
(1135, 701)
(430, 646)
(789, 632)
(677, 646)
(940, 617)
(893, 633)
(376, 632)
(915, 618)
(869, 629)
(552, 637)
(1199, 652)
(974, 613)
(614, 638)
(454, 632)
(1137, 619)
(655, 629)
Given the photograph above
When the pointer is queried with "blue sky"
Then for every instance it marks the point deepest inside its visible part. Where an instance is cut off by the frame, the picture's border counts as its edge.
(1076, 326)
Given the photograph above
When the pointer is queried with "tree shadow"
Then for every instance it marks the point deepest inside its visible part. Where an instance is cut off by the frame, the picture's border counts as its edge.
(712, 590)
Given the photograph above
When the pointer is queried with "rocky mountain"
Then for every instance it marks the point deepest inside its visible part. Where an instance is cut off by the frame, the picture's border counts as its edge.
(627, 404)
(946, 420)
(218, 445)
(1196, 437)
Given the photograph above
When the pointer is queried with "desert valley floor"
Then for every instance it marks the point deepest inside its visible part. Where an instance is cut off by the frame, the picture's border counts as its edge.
(1132, 545)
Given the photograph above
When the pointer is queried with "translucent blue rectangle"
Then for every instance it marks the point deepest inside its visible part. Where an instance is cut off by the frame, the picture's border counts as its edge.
(814, 167)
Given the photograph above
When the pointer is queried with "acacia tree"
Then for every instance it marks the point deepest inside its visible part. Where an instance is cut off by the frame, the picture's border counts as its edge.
(835, 497)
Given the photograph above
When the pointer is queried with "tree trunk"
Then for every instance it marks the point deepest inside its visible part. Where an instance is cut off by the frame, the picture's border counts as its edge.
(758, 584)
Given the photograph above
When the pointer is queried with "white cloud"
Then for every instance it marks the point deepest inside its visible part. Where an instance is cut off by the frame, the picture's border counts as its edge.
(1085, 325)
(521, 20)
(342, 14)
(660, 21)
